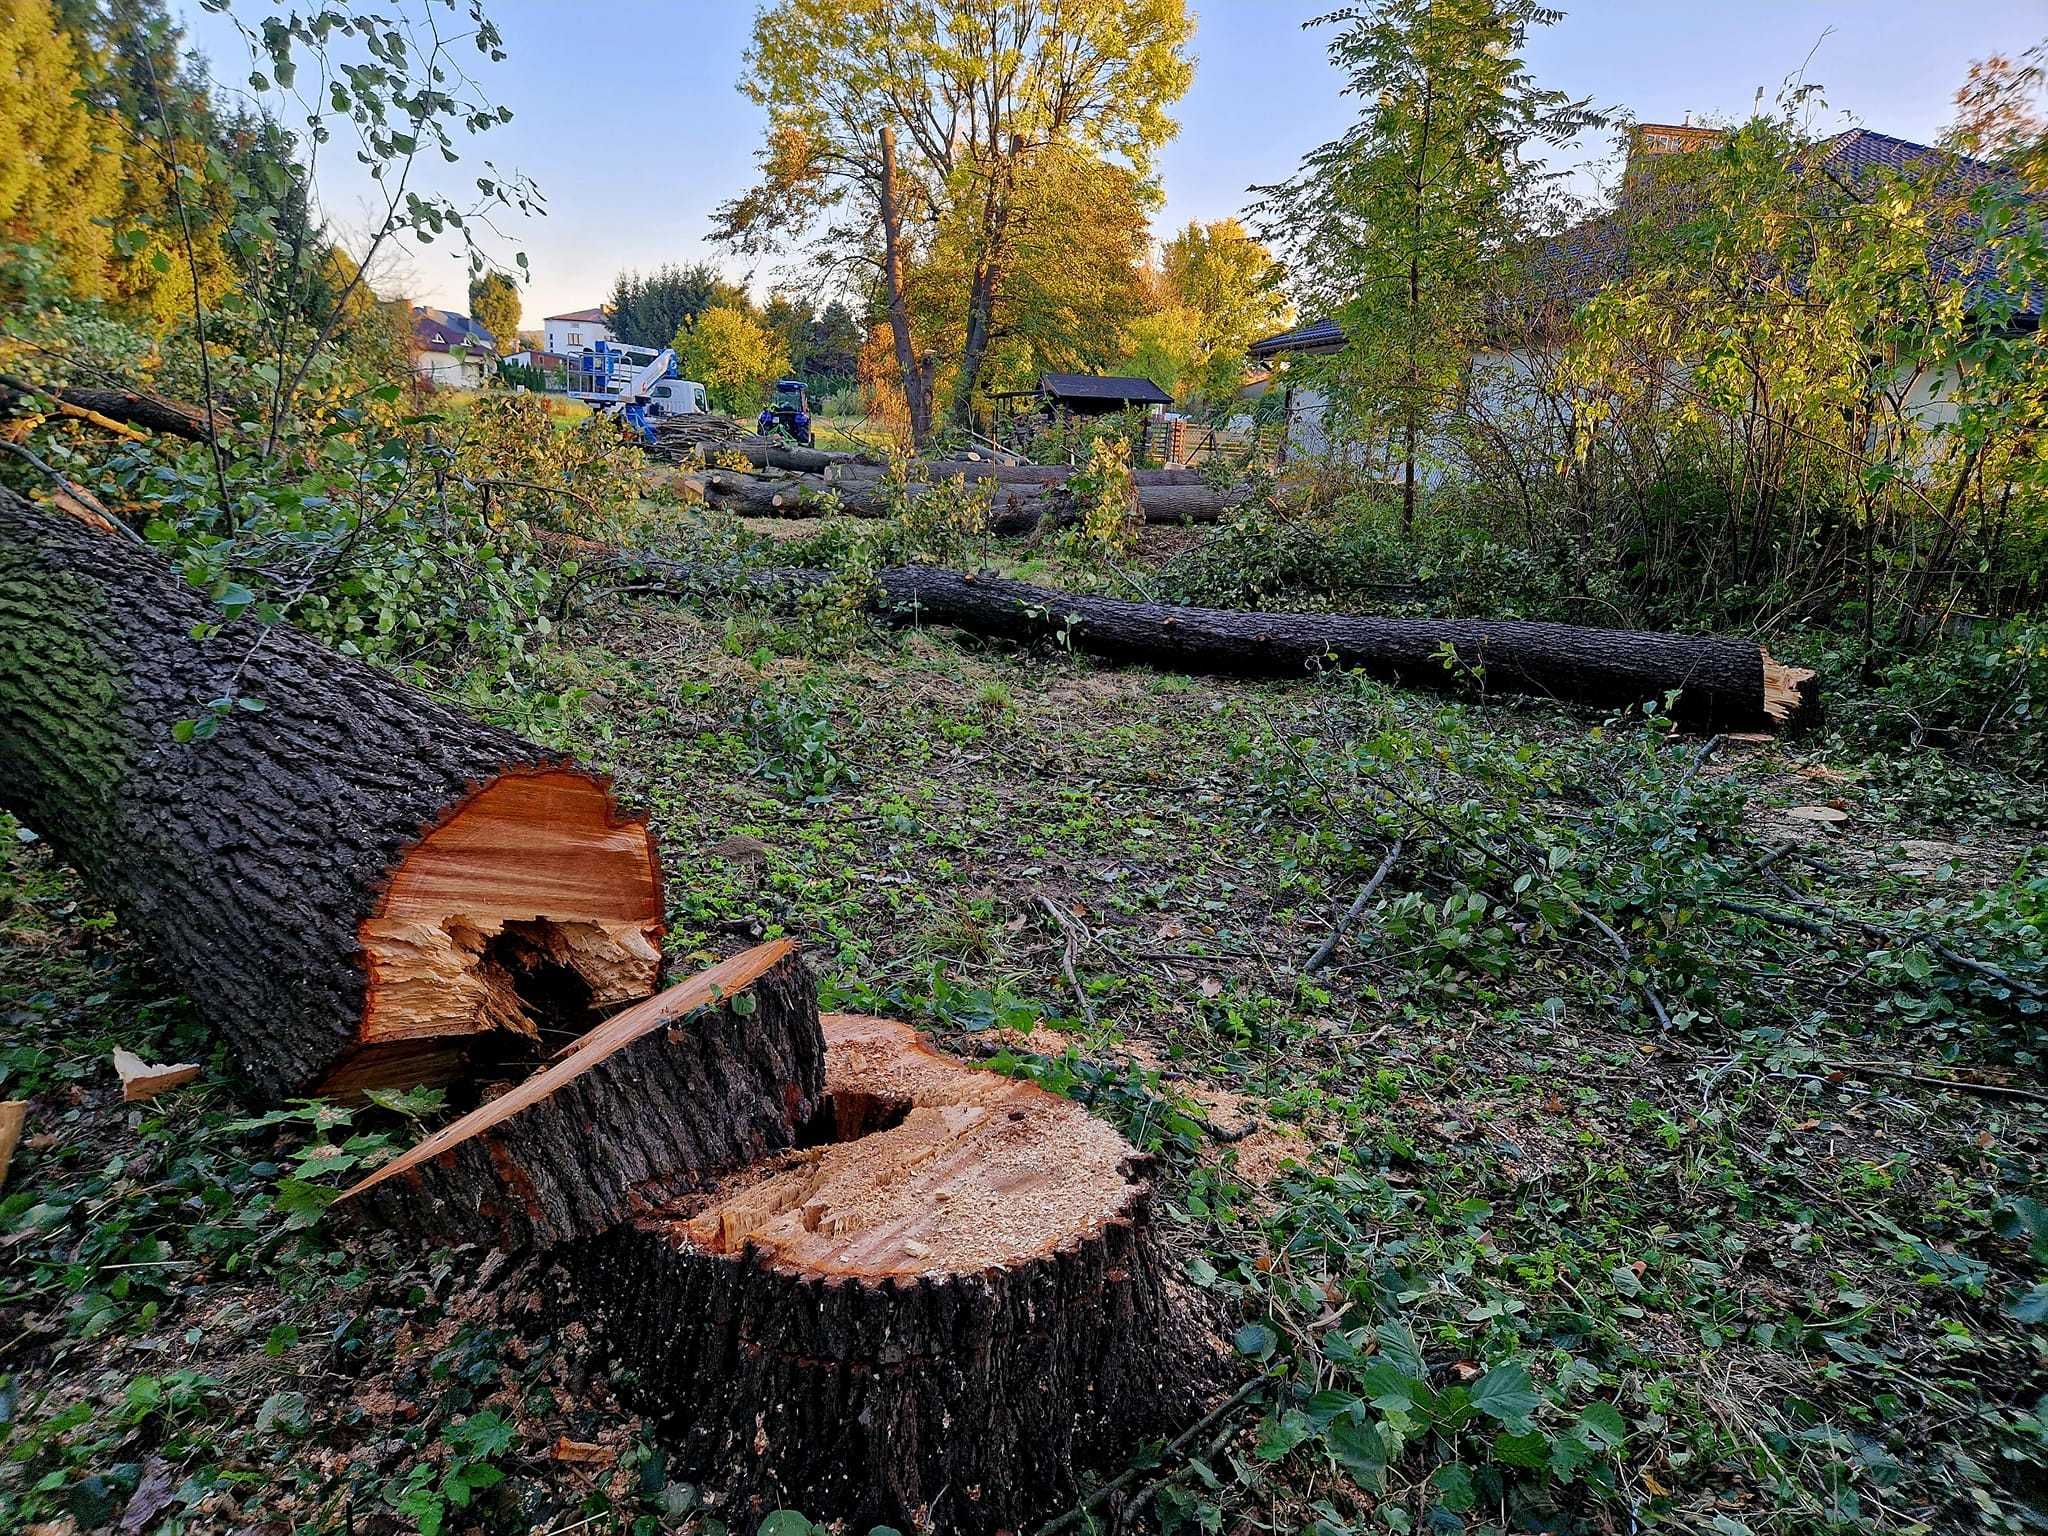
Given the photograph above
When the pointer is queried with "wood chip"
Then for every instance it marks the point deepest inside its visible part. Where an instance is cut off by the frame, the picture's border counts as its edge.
(12, 1113)
(1827, 814)
(583, 1452)
(145, 1080)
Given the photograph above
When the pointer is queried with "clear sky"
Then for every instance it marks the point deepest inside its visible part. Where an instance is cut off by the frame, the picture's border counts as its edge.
(625, 111)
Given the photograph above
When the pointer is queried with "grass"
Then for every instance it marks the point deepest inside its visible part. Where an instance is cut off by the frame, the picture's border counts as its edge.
(1532, 1260)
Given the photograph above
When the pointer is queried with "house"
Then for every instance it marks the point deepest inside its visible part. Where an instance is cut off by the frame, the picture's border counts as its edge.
(451, 350)
(577, 331)
(1096, 394)
(1571, 267)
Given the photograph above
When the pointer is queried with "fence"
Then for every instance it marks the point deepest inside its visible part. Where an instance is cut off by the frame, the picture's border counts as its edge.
(1191, 443)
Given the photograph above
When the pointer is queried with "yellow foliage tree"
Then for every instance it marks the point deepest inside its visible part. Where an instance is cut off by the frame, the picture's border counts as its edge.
(733, 355)
(58, 181)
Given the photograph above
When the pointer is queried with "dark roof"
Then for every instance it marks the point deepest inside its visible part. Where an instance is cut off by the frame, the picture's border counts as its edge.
(1323, 335)
(440, 330)
(1102, 386)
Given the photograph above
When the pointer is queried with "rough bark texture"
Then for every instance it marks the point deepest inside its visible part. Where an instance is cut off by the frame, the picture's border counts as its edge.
(134, 407)
(1724, 684)
(653, 1105)
(251, 861)
(833, 1364)
(1007, 474)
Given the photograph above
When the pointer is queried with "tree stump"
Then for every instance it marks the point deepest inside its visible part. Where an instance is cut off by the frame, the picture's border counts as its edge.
(941, 1313)
(356, 884)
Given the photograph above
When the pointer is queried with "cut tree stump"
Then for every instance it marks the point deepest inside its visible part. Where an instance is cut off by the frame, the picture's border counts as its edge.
(357, 885)
(707, 1077)
(943, 1313)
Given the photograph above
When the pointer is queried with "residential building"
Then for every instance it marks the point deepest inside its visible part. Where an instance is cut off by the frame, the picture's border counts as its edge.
(451, 350)
(578, 331)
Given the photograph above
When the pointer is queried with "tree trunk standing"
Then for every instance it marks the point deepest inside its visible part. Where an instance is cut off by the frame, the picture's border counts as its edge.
(916, 385)
(1413, 391)
(987, 280)
(942, 1315)
(357, 885)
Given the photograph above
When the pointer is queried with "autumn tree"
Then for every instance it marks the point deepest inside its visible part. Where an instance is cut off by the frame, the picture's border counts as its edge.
(894, 123)
(59, 186)
(494, 305)
(1400, 227)
(732, 354)
(1217, 291)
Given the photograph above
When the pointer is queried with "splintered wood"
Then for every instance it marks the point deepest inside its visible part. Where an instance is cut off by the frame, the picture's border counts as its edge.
(145, 1080)
(936, 1167)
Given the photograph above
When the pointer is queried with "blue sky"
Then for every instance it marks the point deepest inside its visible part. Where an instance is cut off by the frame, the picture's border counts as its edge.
(1263, 94)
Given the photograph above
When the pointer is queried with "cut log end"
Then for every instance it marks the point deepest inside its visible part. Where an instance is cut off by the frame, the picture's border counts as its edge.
(527, 908)
(927, 1167)
(1791, 694)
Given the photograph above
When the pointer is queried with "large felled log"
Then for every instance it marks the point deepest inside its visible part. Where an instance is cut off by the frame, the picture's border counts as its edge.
(710, 1076)
(136, 408)
(1016, 508)
(939, 1316)
(357, 884)
(1722, 684)
(1006, 474)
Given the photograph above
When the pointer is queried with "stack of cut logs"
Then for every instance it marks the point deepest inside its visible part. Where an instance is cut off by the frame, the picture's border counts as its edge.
(850, 1275)
(788, 481)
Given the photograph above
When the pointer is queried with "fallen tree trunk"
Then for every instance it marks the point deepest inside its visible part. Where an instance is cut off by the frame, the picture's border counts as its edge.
(134, 408)
(1004, 474)
(655, 1103)
(1722, 684)
(356, 884)
(938, 1317)
(1015, 509)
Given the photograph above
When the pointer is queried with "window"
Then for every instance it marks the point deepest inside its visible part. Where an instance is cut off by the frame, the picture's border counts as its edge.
(575, 338)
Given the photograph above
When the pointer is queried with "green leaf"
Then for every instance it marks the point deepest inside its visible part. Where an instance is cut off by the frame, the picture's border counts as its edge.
(1506, 1393)
(1278, 1437)
(1453, 1485)
(1256, 1341)
(785, 1522)
(1602, 1427)
(2031, 1307)
(1525, 1450)
(1359, 1451)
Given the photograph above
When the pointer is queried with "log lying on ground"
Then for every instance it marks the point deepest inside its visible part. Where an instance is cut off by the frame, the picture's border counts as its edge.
(135, 408)
(700, 438)
(1017, 508)
(705, 1078)
(938, 1316)
(1006, 474)
(357, 885)
(1722, 684)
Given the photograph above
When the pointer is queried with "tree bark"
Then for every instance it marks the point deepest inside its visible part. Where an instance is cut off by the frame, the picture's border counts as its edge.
(135, 408)
(942, 1315)
(1008, 474)
(915, 378)
(657, 1102)
(357, 885)
(1722, 684)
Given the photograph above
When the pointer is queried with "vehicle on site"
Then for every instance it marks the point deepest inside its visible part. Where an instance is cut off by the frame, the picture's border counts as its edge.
(788, 413)
(637, 384)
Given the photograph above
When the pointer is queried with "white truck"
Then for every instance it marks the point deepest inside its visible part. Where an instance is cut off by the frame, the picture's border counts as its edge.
(616, 373)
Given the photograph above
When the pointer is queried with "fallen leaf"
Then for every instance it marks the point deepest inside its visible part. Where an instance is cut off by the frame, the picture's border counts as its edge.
(1172, 928)
(151, 1498)
(145, 1080)
(583, 1452)
(1211, 987)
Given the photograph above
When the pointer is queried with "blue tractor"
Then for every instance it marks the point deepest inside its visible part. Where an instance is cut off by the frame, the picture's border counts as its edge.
(788, 413)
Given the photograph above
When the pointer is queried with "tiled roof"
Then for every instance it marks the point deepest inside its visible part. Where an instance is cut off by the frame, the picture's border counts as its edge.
(1320, 336)
(440, 330)
(583, 316)
(1098, 386)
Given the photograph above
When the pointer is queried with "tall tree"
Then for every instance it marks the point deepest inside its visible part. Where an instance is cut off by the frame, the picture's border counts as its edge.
(647, 311)
(58, 185)
(889, 119)
(1399, 227)
(1221, 291)
(494, 305)
(733, 354)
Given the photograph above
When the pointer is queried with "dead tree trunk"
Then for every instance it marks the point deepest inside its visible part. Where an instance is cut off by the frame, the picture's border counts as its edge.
(1008, 474)
(134, 408)
(356, 884)
(710, 1076)
(939, 1315)
(1722, 684)
(1017, 507)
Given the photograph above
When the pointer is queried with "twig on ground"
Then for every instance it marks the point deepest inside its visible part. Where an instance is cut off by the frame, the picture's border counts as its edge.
(1130, 1474)
(1073, 935)
(1953, 958)
(1345, 923)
